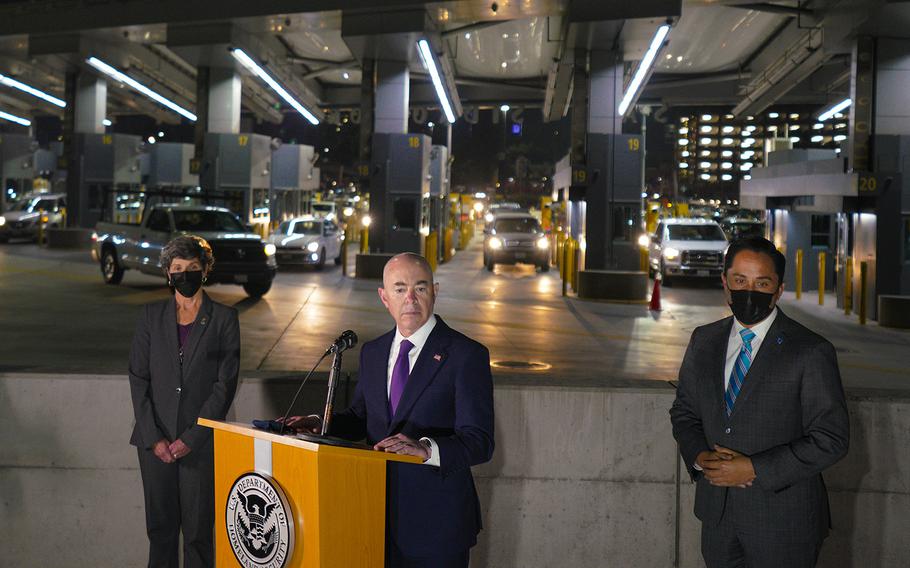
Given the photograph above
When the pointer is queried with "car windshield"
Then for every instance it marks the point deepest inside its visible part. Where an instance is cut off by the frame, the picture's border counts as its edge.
(33, 205)
(696, 233)
(323, 207)
(200, 221)
(517, 225)
(307, 228)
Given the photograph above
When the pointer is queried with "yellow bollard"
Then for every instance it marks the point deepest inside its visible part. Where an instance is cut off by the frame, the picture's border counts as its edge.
(447, 245)
(848, 286)
(863, 273)
(563, 263)
(821, 279)
(364, 240)
(63, 217)
(430, 248)
(344, 256)
(643, 259)
(799, 273)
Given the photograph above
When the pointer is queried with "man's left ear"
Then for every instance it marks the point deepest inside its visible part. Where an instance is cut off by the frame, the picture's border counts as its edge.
(435, 288)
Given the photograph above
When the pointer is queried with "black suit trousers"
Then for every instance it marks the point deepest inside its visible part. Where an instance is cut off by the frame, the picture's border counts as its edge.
(180, 496)
(732, 545)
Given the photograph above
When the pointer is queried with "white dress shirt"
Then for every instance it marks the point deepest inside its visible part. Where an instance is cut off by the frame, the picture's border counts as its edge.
(418, 339)
(735, 343)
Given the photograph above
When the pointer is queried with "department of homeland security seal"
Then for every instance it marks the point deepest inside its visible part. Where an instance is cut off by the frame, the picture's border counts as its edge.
(260, 526)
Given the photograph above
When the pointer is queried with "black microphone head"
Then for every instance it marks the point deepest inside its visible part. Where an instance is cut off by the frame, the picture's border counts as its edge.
(350, 338)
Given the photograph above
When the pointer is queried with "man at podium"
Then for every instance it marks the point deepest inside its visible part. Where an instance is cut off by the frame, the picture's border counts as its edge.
(424, 390)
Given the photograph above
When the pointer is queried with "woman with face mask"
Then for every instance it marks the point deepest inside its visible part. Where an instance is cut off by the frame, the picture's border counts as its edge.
(184, 364)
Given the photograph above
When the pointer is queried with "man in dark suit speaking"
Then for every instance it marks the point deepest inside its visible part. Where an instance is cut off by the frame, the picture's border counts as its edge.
(759, 414)
(424, 390)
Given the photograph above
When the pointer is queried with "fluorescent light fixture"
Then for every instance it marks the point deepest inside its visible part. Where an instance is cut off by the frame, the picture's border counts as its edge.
(794, 139)
(794, 127)
(254, 67)
(707, 117)
(817, 139)
(727, 142)
(726, 177)
(683, 141)
(704, 165)
(726, 165)
(840, 138)
(706, 129)
(14, 118)
(504, 108)
(639, 78)
(684, 153)
(747, 177)
(684, 130)
(705, 177)
(706, 141)
(705, 153)
(107, 122)
(835, 109)
(423, 47)
(728, 129)
(773, 115)
(10, 82)
(137, 86)
(818, 126)
(727, 153)
(683, 165)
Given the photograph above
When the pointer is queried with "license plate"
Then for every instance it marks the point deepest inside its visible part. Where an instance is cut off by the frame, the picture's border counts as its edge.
(520, 255)
(241, 278)
(704, 273)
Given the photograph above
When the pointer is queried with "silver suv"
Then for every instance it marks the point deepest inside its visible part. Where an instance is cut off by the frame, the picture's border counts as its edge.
(515, 237)
(24, 218)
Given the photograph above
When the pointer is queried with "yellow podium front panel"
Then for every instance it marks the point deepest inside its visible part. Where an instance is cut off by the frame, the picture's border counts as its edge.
(335, 497)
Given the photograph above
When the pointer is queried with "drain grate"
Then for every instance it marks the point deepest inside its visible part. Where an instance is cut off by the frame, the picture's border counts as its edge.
(521, 365)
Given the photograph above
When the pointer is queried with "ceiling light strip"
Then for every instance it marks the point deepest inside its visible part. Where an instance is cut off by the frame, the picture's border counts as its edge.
(14, 118)
(643, 68)
(137, 86)
(257, 70)
(835, 109)
(423, 47)
(10, 82)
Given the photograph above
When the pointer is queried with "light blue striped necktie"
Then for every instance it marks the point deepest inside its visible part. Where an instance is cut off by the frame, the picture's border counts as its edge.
(740, 368)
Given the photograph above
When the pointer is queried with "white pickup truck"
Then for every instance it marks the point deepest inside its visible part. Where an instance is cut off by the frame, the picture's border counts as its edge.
(241, 257)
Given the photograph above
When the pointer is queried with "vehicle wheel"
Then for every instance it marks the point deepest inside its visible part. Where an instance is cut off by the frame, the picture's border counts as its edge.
(664, 279)
(110, 268)
(257, 289)
(489, 264)
(321, 262)
(545, 267)
(338, 259)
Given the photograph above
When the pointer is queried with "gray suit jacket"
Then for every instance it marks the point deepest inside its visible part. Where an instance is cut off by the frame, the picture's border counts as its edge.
(790, 418)
(168, 396)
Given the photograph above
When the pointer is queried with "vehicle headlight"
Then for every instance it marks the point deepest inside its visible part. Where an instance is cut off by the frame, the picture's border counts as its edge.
(269, 249)
(543, 243)
(488, 217)
(644, 241)
(495, 243)
(2, 221)
(671, 253)
(313, 246)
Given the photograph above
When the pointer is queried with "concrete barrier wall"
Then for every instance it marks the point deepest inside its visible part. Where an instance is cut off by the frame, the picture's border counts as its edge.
(581, 476)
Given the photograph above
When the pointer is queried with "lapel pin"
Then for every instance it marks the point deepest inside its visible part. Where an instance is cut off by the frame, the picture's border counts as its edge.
(203, 321)
(437, 357)
(780, 340)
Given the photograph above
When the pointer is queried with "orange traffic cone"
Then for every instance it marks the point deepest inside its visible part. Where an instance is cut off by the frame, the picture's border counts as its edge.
(655, 295)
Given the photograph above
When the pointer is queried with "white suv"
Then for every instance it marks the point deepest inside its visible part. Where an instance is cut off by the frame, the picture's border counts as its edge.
(687, 247)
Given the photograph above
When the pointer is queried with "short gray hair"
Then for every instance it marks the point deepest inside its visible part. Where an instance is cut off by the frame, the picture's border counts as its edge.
(188, 247)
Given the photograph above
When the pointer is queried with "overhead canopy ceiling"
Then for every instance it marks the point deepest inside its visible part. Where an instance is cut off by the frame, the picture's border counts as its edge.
(718, 53)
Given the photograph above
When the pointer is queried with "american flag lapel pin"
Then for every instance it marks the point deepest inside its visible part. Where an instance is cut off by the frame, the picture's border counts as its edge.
(437, 357)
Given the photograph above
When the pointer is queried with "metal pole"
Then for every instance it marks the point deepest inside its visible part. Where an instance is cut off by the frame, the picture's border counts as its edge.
(848, 286)
(821, 279)
(330, 397)
(799, 273)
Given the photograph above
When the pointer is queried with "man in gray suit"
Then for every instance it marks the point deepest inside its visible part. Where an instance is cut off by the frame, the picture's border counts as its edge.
(759, 414)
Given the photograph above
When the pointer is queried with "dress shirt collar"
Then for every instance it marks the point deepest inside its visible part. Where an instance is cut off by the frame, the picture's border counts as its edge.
(418, 338)
(760, 329)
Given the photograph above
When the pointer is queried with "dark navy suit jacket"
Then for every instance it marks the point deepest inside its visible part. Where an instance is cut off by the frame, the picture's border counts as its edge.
(449, 398)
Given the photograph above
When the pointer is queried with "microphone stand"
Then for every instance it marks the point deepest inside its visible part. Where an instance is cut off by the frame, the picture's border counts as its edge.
(330, 396)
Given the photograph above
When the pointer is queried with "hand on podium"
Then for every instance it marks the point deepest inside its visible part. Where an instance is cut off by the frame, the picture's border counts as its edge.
(311, 424)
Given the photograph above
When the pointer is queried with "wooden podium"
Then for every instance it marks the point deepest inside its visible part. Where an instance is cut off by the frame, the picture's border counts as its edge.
(334, 498)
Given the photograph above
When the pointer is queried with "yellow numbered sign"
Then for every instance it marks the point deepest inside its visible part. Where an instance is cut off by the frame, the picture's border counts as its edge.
(867, 184)
(634, 144)
(364, 170)
(243, 140)
(580, 176)
(414, 142)
(107, 139)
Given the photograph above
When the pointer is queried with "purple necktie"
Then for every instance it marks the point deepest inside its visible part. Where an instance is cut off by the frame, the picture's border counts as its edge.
(400, 373)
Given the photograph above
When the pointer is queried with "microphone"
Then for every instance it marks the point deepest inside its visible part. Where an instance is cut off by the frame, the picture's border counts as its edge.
(345, 341)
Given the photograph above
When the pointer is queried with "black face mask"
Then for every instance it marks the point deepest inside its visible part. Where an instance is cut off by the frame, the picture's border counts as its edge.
(750, 306)
(187, 283)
